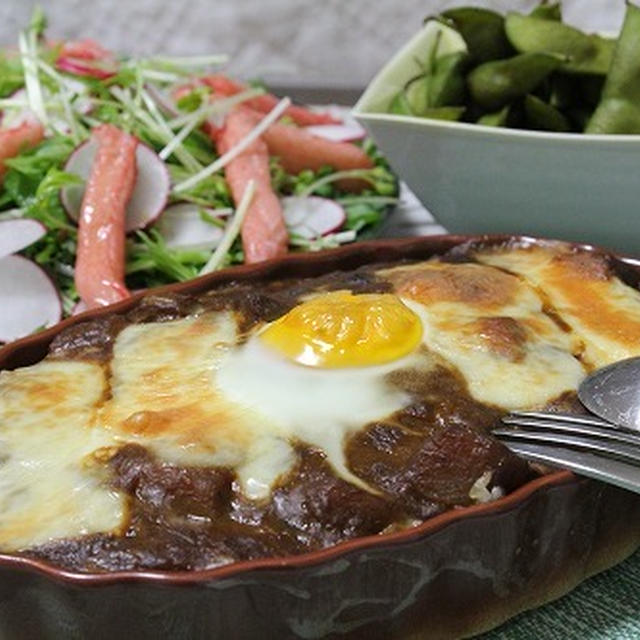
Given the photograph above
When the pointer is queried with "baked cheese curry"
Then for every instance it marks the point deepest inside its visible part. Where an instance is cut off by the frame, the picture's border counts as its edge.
(277, 418)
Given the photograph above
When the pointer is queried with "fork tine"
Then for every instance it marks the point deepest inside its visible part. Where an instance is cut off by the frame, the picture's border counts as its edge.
(602, 446)
(570, 418)
(614, 472)
(552, 423)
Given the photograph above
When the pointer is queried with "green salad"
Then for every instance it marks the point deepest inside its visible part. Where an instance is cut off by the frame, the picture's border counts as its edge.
(181, 210)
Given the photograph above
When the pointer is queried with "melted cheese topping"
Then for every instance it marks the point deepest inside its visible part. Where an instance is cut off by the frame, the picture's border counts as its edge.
(191, 393)
(491, 327)
(50, 484)
(186, 391)
(602, 311)
(163, 396)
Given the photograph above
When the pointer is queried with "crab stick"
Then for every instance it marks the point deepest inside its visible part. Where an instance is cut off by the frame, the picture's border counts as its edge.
(264, 234)
(100, 259)
(13, 141)
(224, 86)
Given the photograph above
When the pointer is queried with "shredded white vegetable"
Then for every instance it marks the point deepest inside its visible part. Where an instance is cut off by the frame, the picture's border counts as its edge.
(362, 174)
(197, 117)
(63, 94)
(31, 80)
(218, 164)
(232, 230)
(157, 124)
(219, 106)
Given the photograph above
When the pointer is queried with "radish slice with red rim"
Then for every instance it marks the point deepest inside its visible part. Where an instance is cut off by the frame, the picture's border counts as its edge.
(350, 131)
(188, 226)
(313, 216)
(150, 192)
(79, 307)
(18, 234)
(91, 68)
(28, 298)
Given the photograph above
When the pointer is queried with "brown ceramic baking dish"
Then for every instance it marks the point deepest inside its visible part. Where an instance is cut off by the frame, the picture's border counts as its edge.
(459, 573)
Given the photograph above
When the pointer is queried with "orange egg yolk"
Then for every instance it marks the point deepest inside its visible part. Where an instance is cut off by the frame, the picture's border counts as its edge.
(340, 329)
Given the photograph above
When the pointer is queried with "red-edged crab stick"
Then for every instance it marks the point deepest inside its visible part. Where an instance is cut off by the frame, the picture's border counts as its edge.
(100, 259)
(12, 141)
(223, 86)
(264, 233)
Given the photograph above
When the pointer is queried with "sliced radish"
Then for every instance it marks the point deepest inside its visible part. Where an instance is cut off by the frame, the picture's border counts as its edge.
(19, 233)
(28, 298)
(85, 49)
(312, 217)
(347, 132)
(79, 307)
(150, 192)
(182, 226)
(84, 67)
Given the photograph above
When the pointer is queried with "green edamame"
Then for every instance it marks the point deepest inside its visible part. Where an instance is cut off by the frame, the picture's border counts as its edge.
(527, 71)
(482, 30)
(496, 119)
(447, 84)
(584, 53)
(619, 108)
(444, 113)
(400, 106)
(441, 85)
(542, 116)
(548, 11)
(497, 83)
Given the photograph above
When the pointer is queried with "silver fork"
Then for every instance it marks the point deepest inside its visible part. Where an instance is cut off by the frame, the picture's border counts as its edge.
(585, 444)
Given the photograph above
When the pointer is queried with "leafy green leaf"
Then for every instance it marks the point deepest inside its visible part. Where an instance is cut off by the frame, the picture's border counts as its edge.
(11, 76)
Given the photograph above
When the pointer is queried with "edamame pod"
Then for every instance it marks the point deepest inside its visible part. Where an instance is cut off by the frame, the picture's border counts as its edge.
(584, 53)
(482, 30)
(497, 83)
(447, 83)
(441, 85)
(495, 119)
(619, 108)
(444, 113)
(548, 11)
(542, 116)
(399, 105)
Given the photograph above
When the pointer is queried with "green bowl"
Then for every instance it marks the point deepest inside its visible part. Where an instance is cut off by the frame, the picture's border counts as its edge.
(477, 179)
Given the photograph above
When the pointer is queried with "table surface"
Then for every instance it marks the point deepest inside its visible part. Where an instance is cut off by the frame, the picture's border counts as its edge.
(605, 607)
